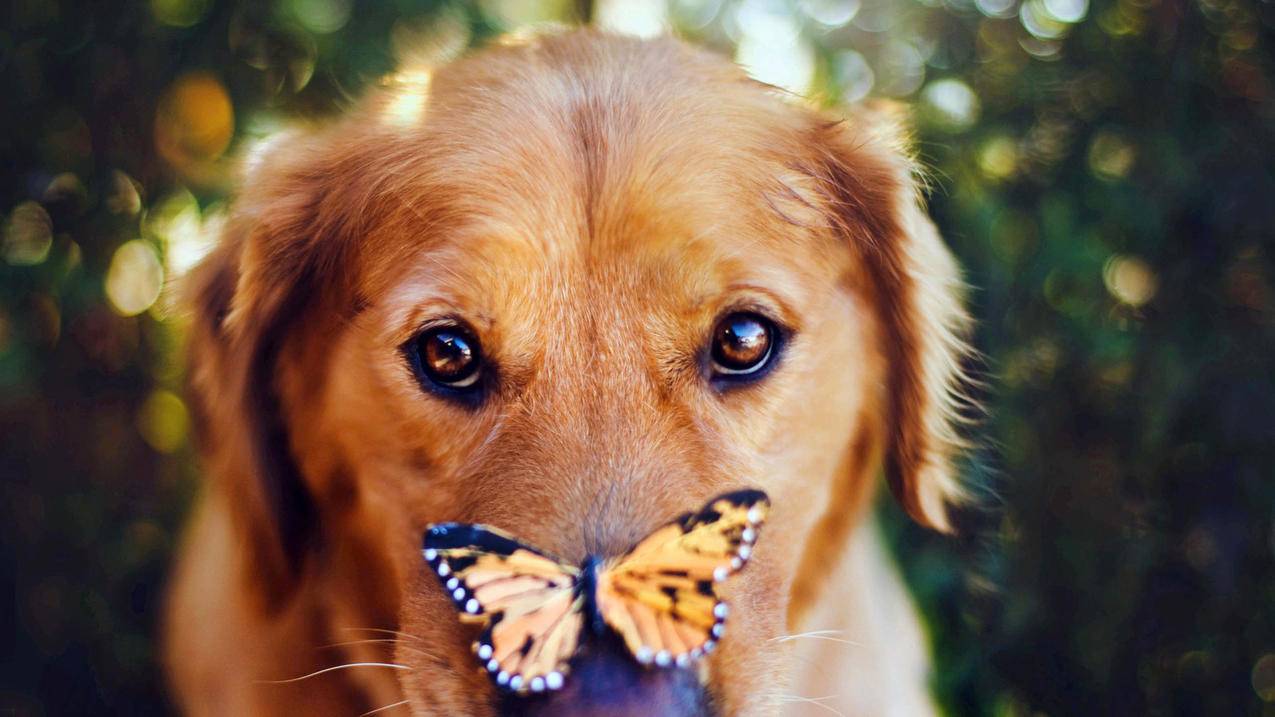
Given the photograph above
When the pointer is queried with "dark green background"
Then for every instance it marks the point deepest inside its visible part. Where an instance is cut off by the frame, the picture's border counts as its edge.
(1112, 197)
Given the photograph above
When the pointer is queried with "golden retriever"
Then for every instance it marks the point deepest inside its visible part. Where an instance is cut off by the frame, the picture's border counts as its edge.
(570, 287)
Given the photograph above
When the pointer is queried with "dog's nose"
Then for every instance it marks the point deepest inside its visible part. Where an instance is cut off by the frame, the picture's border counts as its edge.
(605, 680)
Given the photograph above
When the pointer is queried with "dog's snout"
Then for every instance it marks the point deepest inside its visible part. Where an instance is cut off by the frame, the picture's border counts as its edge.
(605, 680)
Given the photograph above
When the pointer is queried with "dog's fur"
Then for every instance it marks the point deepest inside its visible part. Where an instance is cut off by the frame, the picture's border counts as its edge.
(590, 205)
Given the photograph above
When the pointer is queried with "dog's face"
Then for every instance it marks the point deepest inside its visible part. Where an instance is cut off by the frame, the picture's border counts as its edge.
(591, 284)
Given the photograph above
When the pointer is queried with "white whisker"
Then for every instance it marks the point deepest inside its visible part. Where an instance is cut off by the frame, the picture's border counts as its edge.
(392, 705)
(816, 635)
(383, 641)
(808, 632)
(385, 631)
(816, 701)
(370, 640)
(338, 667)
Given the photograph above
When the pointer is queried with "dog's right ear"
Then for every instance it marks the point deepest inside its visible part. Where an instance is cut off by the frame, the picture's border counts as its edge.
(288, 252)
(870, 183)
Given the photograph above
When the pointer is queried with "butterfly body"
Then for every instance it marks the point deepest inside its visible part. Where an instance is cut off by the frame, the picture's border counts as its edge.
(589, 590)
(660, 597)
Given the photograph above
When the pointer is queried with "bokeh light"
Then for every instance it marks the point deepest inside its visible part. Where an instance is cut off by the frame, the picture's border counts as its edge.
(135, 278)
(1110, 155)
(321, 16)
(900, 69)
(1068, 11)
(1042, 24)
(406, 105)
(163, 422)
(123, 196)
(186, 235)
(1263, 677)
(997, 8)
(28, 234)
(194, 122)
(771, 46)
(179, 13)
(640, 18)
(951, 103)
(1129, 279)
(998, 158)
(515, 14)
(854, 75)
(428, 41)
(693, 15)
(830, 13)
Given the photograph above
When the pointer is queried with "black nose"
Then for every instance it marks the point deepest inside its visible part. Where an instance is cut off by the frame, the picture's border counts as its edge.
(606, 680)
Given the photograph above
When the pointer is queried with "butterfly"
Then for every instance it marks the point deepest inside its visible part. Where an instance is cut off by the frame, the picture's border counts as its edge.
(660, 596)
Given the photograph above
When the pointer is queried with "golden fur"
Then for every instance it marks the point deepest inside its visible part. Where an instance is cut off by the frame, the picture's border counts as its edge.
(589, 204)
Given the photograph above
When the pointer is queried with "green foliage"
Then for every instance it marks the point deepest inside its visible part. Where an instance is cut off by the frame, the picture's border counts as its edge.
(1103, 171)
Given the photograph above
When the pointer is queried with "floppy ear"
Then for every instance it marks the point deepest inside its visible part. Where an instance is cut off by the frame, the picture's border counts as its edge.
(870, 182)
(289, 233)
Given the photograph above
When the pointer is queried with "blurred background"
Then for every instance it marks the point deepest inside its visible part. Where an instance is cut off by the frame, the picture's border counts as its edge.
(1105, 169)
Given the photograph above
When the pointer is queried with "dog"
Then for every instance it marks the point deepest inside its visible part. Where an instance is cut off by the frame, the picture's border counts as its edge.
(569, 286)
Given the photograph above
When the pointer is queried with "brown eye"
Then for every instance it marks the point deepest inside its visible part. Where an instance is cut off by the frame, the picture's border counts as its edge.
(448, 356)
(742, 344)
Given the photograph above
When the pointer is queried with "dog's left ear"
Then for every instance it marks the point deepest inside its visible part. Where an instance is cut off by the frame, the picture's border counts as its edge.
(869, 181)
(284, 262)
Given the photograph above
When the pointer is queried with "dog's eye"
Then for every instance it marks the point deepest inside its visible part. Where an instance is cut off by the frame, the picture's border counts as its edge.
(447, 356)
(743, 343)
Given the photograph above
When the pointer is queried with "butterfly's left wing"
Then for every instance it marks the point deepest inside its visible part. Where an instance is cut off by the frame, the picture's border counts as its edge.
(529, 603)
(661, 595)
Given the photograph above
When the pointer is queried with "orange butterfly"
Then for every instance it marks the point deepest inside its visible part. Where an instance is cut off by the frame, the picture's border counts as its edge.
(660, 596)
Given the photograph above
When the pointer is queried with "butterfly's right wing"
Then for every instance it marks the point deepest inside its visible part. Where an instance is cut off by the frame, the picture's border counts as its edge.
(661, 596)
(529, 602)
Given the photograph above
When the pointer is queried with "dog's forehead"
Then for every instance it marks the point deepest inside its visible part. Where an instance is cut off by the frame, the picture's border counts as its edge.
(632, 213)
(570, 180)
(565, 143)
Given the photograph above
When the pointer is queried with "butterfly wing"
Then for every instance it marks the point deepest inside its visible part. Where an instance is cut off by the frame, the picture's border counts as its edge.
(529, 603)
(661, 596)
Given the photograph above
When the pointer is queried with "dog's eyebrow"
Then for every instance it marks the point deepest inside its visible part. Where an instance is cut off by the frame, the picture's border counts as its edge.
(783, 189)
(793, 199)
(769, 198)
(415, 312)
(750, 295)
